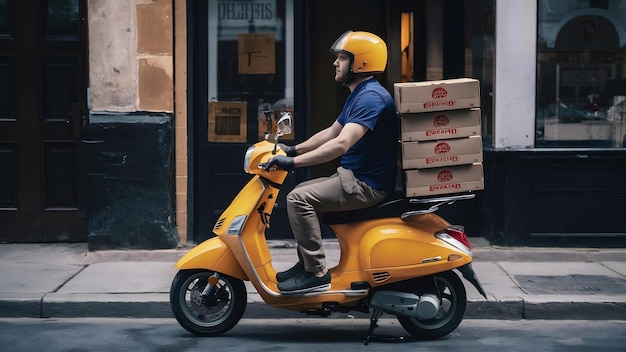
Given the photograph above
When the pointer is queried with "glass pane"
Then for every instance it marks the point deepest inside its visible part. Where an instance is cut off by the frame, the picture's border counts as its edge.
(482, 61)
(4, 17)
(581, 80)
(250, 60)
(62, 18)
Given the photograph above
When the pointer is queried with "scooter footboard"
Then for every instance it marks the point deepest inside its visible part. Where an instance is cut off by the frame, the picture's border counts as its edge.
(212, 254)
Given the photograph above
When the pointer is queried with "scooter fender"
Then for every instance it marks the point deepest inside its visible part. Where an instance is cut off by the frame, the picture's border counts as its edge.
(212, 254)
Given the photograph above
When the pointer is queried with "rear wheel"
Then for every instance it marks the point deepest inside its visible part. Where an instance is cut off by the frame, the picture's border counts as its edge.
(453, 301)
(207, 316)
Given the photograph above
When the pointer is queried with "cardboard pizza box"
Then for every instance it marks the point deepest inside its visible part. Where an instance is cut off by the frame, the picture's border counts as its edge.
(439, 125)
(444, 180)
(444, 152)
(450, 94)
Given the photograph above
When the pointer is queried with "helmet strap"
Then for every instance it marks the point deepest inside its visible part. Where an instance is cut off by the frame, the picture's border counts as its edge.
(350, 75)
(349, 78)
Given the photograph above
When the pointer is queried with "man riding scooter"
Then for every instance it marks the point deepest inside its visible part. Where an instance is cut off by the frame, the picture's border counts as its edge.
(364, 135)
(397, 256)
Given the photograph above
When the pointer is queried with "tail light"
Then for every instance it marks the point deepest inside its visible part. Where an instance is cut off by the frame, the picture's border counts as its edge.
(458, 233)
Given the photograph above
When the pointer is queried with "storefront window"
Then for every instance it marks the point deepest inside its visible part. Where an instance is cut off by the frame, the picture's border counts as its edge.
(250, 73)
(581, 79)
(483, 55)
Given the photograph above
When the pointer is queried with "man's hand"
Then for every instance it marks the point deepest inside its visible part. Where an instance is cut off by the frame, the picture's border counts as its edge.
(281, 161)
(289, 150)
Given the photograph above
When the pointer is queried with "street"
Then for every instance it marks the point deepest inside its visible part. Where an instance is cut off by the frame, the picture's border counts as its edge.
(306, 334)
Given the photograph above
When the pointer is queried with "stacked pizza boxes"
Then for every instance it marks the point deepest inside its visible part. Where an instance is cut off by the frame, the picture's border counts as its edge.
(441, 146)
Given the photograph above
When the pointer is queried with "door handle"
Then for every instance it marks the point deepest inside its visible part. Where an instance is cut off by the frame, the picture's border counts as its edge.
(75, 121)
(68, 124)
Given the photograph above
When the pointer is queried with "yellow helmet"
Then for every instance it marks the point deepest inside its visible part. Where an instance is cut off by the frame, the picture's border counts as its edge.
(368, 51)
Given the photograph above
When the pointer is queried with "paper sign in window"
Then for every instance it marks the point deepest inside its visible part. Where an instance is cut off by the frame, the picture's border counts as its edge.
(257, 53)
(227, 121)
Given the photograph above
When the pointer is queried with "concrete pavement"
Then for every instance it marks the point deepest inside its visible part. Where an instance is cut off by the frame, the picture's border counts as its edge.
(66, 280)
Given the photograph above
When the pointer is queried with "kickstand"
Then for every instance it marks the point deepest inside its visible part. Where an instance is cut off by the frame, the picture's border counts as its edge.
(376, 314)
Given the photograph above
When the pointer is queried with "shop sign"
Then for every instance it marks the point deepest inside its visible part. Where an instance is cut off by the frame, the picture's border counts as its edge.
(227, 121)
(247, 16)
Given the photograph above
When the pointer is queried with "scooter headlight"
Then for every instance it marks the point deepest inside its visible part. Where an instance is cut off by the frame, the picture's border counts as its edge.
(246, 159)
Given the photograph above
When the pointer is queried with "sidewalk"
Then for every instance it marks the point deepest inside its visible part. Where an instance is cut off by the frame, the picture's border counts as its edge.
(66, 280)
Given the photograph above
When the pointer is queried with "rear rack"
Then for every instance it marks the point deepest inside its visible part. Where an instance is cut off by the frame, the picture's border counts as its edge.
(439, 201)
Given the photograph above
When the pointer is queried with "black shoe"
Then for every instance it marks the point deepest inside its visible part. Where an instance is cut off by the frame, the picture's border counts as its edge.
(291, 272)
(304, 282)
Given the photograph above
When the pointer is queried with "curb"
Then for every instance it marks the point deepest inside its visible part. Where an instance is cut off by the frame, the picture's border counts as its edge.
(157, 306)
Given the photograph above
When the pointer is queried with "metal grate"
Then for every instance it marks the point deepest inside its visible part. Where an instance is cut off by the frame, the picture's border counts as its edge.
(579, 284)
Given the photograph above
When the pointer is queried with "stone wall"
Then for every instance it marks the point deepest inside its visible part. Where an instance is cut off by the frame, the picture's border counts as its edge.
(131, 154)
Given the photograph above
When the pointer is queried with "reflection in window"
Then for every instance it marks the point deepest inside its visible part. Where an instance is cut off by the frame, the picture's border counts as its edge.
(258, 23)
(62, 18)
(581, 79)
(407, 46)
(482, 60)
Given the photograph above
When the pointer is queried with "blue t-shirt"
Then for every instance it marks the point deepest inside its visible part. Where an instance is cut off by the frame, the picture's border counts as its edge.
(373, 158)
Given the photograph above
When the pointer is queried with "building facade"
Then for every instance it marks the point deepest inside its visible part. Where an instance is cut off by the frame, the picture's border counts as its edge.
(124, 123)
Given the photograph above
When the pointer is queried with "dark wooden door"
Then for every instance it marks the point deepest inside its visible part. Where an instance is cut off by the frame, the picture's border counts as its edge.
(43, 95)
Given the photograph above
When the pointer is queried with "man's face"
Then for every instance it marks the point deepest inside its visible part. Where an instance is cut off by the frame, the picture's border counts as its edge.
(342, 65)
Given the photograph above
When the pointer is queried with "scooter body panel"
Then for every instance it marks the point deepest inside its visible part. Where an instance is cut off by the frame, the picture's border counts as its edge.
(393, 249)
(389, 250)
(212, 254)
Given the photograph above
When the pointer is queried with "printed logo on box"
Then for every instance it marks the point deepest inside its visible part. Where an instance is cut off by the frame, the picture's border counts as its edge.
(441, 120)
(444, 176)
(448, 186)
(439, 93)
(442, 148)
(434, 104)
(441, 131)
(441, 159)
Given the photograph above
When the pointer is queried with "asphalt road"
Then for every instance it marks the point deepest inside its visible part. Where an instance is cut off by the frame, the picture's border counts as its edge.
(307, 334)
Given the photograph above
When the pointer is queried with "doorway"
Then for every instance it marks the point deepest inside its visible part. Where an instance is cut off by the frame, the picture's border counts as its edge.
(237, 60)
(43, 98)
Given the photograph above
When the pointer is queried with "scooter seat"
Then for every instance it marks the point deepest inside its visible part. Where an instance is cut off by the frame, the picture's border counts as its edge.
(391, 207)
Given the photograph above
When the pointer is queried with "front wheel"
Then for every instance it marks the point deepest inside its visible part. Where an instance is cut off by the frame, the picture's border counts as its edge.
(453, 301)
(207, 316)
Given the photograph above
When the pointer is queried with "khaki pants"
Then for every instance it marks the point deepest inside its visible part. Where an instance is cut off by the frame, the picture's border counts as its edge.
(341, 191)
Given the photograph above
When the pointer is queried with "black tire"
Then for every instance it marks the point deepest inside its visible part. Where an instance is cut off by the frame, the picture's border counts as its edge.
(453, 300)
(215, 316)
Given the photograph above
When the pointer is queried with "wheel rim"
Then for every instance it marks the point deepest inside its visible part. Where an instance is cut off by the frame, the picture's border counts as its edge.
(448, 305)
(199, 313)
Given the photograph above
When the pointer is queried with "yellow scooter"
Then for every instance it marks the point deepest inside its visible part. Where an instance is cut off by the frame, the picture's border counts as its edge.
(396, 258)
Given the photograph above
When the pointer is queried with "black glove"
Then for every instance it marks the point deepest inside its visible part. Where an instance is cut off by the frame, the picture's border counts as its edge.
(289, 150)
(283, 162)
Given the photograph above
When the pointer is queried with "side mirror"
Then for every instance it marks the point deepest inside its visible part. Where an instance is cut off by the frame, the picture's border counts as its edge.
(283, 126)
